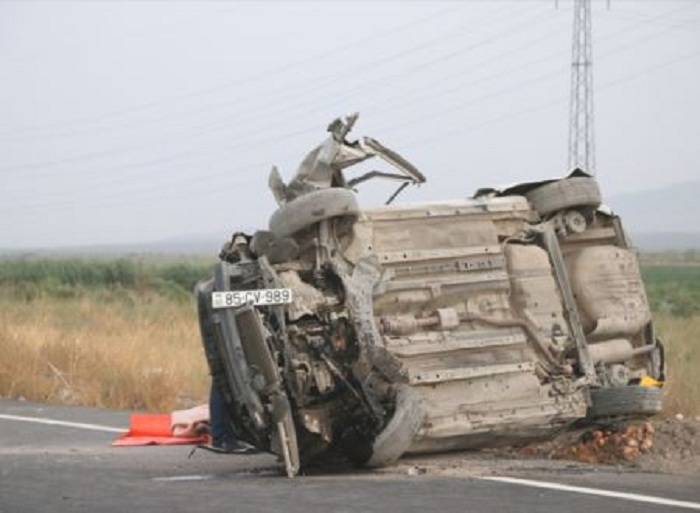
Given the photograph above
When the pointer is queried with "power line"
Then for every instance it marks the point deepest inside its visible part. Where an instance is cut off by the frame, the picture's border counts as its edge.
(550, 104)
(686, 25)
(444, 135)
(253, 77)
(120, 150)
(430, 93)
(304, 90)
(513, 87)
(453, 54)
(256, 113)
(287, 90)
(315, 128)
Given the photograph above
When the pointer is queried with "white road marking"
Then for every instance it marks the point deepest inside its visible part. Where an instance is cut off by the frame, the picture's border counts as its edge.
(195, 477)
(596, 491)
(511, 480)
(63, 423)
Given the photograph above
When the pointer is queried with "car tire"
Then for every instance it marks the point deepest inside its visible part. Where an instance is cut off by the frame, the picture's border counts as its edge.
(627, 401)
(574, 192)
(398, 435)
(312, 208)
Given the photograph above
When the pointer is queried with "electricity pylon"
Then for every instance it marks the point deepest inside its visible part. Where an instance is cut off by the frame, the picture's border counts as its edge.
(581, 135)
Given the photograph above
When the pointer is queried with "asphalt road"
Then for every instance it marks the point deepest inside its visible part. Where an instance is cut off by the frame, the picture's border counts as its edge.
(56, 468)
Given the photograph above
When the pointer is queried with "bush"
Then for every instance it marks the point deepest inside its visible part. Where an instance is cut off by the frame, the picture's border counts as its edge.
(28, 279)
(673, 289)
(184, 275)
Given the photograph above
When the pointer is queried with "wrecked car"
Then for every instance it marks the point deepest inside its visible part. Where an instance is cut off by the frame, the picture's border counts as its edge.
(429, 327)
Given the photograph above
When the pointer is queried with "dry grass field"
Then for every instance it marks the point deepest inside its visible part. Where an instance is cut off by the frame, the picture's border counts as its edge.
(118, 334)
(123, 334)
(681, 336)
(142, 353)
(673, 285)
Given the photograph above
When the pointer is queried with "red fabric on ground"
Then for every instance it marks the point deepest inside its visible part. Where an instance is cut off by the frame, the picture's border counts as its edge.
(145, 429)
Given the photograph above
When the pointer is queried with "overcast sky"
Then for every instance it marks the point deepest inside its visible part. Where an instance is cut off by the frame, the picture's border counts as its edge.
(138, 121)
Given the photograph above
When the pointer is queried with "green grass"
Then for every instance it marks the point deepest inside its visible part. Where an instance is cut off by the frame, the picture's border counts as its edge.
(123, 332)
(29, 279)
(673, 289)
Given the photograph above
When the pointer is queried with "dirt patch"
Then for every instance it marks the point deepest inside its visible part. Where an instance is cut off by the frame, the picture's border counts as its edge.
(676, 447)
(662, 445)
(669, 446)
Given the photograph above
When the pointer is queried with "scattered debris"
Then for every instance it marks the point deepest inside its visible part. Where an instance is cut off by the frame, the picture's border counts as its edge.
(661, 445)
(676, 447)
(610, 444)
(669, 445)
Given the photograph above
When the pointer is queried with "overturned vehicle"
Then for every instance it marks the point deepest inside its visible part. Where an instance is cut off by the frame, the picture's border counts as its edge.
(425, 327)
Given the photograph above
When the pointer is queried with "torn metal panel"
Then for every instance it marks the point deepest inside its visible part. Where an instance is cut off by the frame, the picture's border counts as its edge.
(322, 166)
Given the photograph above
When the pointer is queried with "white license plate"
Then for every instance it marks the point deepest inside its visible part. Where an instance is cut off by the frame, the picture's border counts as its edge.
(259, 297)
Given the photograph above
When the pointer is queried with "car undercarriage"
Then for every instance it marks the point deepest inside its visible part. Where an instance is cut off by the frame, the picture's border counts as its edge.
(415, 328)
